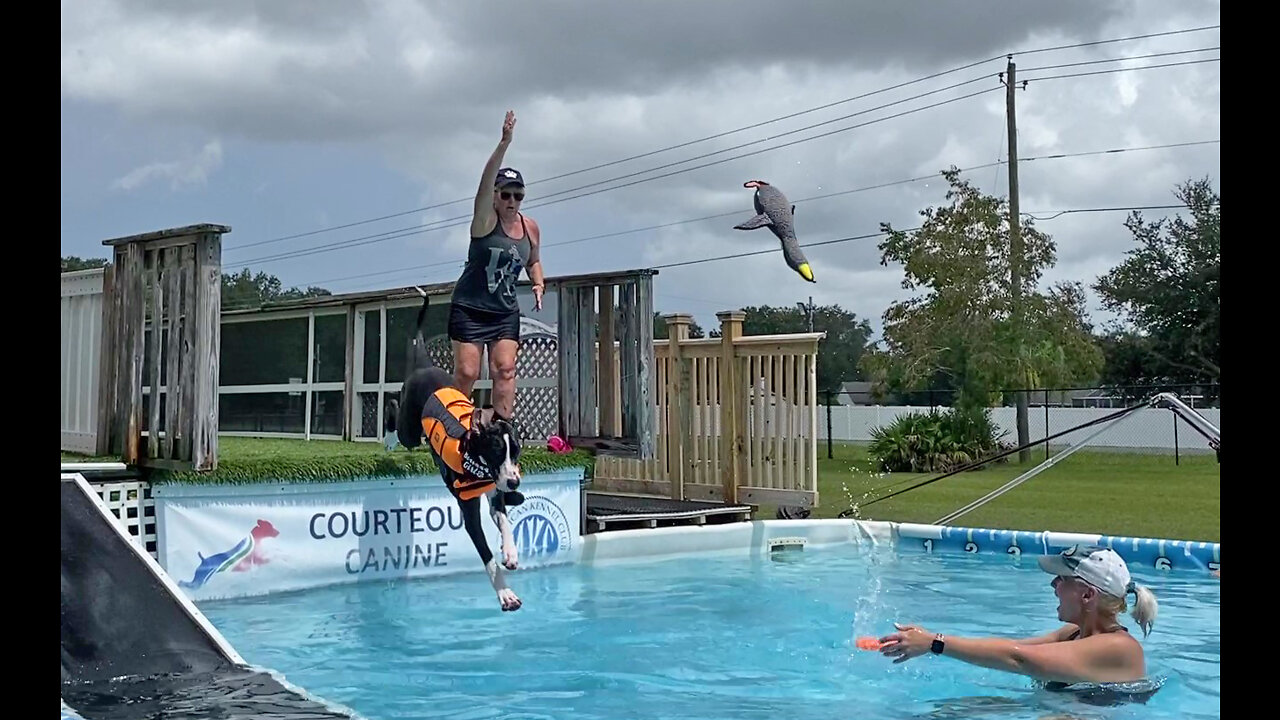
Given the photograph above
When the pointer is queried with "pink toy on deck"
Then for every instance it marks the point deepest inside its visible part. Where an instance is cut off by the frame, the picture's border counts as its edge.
(558, 445)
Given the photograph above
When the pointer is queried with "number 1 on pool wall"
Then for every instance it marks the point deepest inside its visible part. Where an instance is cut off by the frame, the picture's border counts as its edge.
(928, 546)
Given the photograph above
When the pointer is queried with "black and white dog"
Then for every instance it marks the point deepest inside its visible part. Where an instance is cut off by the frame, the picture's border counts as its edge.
(478, 453)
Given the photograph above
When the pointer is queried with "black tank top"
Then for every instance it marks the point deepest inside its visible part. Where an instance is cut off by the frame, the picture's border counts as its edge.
(494, 263)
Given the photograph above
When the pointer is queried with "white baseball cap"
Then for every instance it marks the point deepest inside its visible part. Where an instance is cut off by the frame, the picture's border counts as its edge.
(1101, 567)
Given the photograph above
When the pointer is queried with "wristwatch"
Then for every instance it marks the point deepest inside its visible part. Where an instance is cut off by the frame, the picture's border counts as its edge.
(938, 644)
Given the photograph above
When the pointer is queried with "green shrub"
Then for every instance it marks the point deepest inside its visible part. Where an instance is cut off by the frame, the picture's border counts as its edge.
(935, 441)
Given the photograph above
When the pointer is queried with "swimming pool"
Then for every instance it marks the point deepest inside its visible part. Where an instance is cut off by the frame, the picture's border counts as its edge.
(715, 636)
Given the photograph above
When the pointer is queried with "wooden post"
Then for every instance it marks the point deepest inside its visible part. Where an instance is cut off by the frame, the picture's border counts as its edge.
(132, 314)
(607, 370)
(208, 291)
(679, 428)
(173, 349)
(585, 370)
(567, 338)
(157, 345)
(348, 376)
(107, 363)
(628, 360)
(1016, 252)
(188, 386)
(732, 417)
(645, 405)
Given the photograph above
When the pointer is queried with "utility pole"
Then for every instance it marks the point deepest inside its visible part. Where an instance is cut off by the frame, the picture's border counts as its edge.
(1016, 254)
(808, 309)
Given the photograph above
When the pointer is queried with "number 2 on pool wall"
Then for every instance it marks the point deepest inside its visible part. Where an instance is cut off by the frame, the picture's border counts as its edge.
(928, 546)
(970, 547)
(1015, 551)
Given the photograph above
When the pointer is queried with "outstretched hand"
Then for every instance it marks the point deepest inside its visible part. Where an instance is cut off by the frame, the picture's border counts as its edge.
(910, 641)
(508, 126)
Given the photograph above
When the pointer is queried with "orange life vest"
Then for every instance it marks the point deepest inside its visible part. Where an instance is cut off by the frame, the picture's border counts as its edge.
(449, 448)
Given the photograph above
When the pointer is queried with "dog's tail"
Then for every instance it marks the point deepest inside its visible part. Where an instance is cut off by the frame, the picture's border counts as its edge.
(417, 356)
(422, 311)
(403, 416)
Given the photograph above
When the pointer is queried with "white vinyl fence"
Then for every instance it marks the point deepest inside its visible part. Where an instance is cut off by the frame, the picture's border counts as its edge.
(1152, 429)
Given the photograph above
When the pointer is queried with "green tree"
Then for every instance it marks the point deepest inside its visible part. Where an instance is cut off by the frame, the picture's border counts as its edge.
(1167, 292)
(71, 263)
(247, 290)
(962, 328)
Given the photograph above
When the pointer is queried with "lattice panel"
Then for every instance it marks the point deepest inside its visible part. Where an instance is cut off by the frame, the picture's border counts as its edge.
(134, 509)
(537, 409)
(538, 356)
(440, 350)
(369, 415)
(537, 412)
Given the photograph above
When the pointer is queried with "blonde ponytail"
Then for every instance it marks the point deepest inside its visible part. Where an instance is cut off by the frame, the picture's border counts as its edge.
(1145, 607)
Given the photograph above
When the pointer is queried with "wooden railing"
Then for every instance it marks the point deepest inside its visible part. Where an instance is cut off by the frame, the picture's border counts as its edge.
(736, 418)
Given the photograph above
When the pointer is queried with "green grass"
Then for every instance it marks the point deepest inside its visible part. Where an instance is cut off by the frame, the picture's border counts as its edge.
(1113, 493)
(248, 460)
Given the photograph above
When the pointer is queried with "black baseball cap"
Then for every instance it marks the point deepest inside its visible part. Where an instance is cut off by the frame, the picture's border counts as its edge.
(508, 176)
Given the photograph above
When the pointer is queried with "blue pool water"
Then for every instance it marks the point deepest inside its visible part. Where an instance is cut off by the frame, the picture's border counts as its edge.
(709, 637)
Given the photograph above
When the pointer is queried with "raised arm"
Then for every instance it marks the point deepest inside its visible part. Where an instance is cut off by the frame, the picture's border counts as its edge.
(483, 213)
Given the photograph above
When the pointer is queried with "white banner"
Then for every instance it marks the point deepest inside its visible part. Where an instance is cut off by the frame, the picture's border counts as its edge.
(222, 541)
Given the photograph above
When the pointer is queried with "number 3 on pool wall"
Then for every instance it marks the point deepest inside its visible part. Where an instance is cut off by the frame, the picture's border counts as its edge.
(928, 546)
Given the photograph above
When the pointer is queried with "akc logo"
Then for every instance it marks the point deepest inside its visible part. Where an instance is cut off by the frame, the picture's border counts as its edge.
(541, 528)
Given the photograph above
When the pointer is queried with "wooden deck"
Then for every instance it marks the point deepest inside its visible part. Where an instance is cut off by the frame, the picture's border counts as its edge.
(608, 511)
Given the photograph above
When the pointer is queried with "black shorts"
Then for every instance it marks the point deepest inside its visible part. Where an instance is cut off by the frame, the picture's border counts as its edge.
(469, 325)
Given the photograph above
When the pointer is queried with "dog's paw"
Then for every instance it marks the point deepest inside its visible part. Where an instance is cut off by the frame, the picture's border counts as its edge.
(510, 603)
(510, 560)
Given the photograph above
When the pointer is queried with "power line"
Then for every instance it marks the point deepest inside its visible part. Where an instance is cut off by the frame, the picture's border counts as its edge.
(1116, 40)
(1060, 213)
(746, 127)
(667, 149)
(1117, 70)
(733, 213)
(357, 242)
(1120, 59)
(464, 219)
(867, 236)
(875, 234)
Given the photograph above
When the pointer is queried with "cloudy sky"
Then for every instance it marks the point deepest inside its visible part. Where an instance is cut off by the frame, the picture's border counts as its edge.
(292, 118)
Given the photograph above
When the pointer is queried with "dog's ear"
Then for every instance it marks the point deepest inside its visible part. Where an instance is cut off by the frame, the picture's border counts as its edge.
(477, 419)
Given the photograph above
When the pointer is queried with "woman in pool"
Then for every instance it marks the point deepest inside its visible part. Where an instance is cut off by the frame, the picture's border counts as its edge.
(1092, 585)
